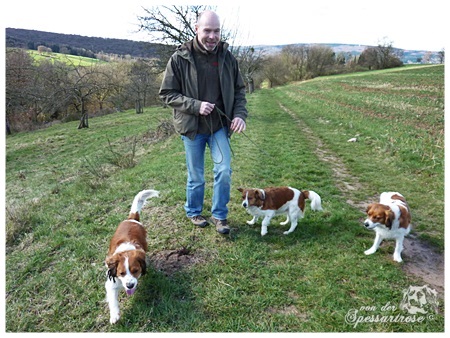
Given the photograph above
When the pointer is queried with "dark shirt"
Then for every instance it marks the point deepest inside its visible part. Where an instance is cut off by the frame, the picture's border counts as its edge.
(208, 88)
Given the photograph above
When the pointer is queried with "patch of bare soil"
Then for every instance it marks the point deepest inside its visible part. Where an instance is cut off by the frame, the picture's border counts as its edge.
(290, 310)
(420, 259)
(172, 261)
(424, 262)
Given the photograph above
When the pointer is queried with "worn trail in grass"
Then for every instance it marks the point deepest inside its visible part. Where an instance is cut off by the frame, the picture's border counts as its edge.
(423, 261)
(395, 116)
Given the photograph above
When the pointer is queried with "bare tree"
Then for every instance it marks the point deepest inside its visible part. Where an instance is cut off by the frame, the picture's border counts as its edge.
(387, 54)
(82, 85)
(275, 71)
(250, 62)
(319, 60)
(295, 57)
(369, 58)
(18, 76)
(49, 97)
(110, 82)
(170, 24)
(381, 57)
(441, 55)
(142, 83)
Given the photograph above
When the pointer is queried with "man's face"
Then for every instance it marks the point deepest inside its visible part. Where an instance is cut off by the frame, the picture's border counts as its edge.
(208, 32)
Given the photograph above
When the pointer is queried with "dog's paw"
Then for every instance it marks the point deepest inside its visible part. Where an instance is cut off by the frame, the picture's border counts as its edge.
(114, 317)
(287, 232)
(398, 258)
(250, 222)
(264, 230)
(369, 252)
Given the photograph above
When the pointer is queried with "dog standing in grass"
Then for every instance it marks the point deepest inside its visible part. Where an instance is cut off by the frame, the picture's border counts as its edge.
(127, 260)
(274, 201)
(390, 219)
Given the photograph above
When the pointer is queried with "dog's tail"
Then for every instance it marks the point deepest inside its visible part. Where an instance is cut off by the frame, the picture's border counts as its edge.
(316, 201)
(139, 202)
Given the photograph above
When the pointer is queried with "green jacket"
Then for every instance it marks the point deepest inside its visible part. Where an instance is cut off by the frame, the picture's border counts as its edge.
(179, 88)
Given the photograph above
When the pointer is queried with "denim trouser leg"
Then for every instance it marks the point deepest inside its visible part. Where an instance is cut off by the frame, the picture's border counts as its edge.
(221, 156)
(195, 186)
(195, 161)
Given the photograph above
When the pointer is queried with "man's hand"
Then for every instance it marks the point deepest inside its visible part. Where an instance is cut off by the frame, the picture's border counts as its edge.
(238, 125)
(206, 108)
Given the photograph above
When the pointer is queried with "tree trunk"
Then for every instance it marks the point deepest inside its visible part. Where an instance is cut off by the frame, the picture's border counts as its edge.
(84, 123)
(251, 86)
(139, 108)
(8, 128)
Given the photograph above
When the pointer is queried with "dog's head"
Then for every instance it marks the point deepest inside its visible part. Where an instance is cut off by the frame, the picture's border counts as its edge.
(127, 266)
(378, 215)
(252, 197)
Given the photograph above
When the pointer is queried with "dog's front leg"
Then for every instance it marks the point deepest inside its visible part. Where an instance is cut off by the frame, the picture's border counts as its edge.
(398, 250)
(253, 221)
(265, 224)
(112, 297)
(375, 246)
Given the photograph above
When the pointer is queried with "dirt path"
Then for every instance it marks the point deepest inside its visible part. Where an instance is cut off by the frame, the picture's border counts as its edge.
(420, 260)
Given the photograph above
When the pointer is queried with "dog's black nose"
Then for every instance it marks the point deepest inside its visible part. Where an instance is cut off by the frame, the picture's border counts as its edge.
(366, 224)
(130, 285)
(244, 205)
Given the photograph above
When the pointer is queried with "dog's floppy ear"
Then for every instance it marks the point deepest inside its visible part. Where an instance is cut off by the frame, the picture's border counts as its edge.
(142, 260)
(111, 263)
(260, 195)
(389, 218)
(369, 207)
(241, 189)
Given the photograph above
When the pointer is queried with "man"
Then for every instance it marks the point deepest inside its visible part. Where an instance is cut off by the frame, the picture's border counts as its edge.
(203, 85)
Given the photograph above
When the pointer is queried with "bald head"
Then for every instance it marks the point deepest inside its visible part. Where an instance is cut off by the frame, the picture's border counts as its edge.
(208, 30)
(208, 17)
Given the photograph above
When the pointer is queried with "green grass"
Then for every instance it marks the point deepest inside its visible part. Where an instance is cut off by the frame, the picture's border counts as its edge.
(65, 58)
(65, 196)
(398, 119)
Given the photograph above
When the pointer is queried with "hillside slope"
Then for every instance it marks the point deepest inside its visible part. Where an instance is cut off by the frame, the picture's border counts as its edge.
(24, 38)
(30, 39)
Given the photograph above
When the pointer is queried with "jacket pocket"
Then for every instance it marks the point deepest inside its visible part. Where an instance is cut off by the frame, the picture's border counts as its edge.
(184, 123)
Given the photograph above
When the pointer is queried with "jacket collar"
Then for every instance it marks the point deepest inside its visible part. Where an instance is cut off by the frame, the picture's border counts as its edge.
(185, 50)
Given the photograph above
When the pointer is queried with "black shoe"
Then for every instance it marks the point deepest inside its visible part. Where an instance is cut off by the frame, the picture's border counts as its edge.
(199, 221)
(221, 225)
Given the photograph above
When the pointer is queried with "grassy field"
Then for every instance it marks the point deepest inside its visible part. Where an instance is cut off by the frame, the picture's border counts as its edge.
(67, 189)
(65, 58)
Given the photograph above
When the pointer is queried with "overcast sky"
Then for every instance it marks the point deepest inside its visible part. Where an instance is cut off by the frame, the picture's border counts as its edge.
(407, 24)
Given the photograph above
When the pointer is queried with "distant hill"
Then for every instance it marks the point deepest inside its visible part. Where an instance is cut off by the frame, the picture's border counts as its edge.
(89, 46)
(77, 44)
(409, 56)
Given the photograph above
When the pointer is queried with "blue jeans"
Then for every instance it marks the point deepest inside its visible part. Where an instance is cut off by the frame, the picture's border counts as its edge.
(219, 146)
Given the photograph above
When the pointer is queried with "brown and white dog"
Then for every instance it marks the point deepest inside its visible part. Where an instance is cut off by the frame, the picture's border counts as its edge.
(126, 260)
(390, 219)
(274, 201)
